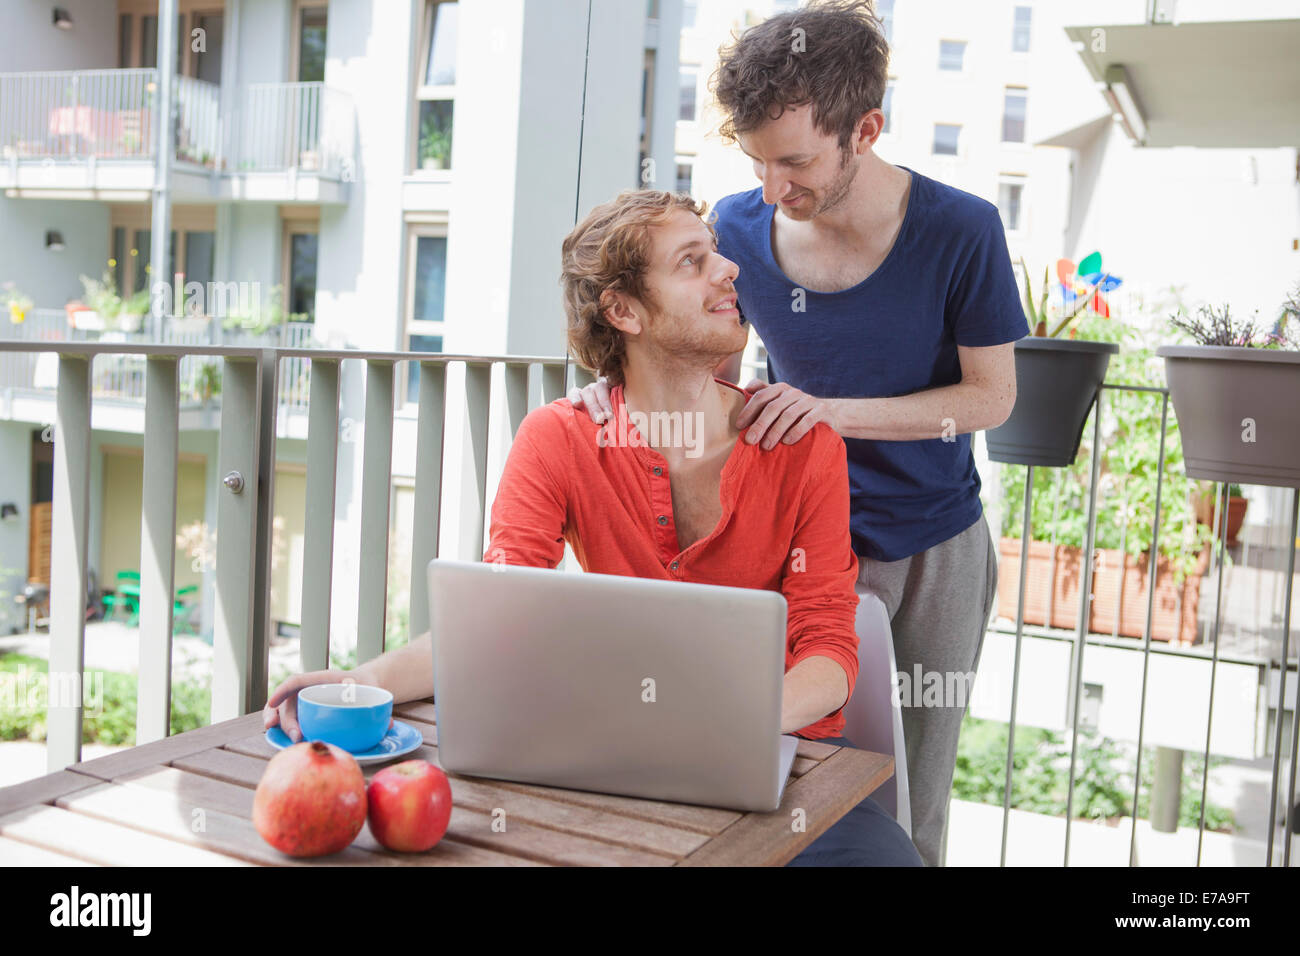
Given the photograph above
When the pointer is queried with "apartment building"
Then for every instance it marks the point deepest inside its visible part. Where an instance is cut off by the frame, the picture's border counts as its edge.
(323, 150)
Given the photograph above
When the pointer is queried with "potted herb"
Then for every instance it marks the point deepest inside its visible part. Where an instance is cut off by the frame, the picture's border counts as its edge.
(1127, 477)
(435, 143)
(130, 316)
(1235, 393)
(207, 382)
(19, 304)
(267, 316)
(1206, 502)
(1056, 378)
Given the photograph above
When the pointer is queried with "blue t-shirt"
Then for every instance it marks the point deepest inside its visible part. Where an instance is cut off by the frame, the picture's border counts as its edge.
(947, 281)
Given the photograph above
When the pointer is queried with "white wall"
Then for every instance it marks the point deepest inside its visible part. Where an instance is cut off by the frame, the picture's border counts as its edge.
(29, 40)
(51, 278)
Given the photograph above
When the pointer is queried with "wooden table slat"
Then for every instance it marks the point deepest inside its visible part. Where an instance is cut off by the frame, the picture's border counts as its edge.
(43, 789)
(16, 853)
(98, 841)
(139, 805)
(768, 839)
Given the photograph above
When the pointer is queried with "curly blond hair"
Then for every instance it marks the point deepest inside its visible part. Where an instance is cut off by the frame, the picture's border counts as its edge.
(609, 252)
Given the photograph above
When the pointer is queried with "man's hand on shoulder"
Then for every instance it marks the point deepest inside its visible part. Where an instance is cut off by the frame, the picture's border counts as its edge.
(594, 398)
(781, 413)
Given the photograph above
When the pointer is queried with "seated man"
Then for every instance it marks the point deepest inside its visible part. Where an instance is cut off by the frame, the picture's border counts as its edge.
(652, 305)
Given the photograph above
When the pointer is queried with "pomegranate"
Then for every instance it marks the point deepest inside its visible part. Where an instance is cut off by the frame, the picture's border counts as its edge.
(410, 806)
(311, 800)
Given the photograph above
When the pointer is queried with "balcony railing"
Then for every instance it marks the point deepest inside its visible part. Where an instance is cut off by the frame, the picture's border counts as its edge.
(121, 375)
(244, 532)
(106, 114)
(306, 126)
(93, 115)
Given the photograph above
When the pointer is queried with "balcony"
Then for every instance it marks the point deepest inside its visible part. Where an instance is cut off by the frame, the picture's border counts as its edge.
(1160, 695)
(92, 134)
(29, 380)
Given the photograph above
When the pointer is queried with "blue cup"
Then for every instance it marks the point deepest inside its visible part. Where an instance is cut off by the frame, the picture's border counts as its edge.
(352, 716)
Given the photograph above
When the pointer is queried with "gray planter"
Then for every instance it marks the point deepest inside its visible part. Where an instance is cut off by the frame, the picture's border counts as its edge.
(1056, 384)
(1236, 410)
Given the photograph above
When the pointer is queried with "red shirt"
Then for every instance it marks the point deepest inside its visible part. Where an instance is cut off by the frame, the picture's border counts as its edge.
(784, 525)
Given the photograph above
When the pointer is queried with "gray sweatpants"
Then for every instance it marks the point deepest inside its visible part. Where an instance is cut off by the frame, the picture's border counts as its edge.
(939, 603)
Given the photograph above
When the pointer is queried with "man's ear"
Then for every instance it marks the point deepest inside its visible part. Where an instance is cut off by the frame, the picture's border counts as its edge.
(870, 125)
(618, 312)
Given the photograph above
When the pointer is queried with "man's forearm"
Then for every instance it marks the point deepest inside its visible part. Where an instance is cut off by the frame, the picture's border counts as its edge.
(407, 673)
(813, 688)
(934, 413)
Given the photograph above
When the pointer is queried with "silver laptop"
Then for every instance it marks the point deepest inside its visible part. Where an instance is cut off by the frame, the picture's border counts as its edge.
(657, 689)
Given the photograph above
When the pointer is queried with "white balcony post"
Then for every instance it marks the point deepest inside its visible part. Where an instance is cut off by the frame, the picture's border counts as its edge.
(161, 227)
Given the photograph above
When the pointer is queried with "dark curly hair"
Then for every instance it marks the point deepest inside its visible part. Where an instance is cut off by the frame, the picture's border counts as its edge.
(831, 53)
(608, 252)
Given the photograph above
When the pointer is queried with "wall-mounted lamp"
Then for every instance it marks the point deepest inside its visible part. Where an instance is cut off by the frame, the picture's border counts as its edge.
(1118, 90)
(62, 19)
(8, 510)
(53, 240)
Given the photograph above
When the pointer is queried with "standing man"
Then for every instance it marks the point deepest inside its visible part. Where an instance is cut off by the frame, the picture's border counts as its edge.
(889, 309)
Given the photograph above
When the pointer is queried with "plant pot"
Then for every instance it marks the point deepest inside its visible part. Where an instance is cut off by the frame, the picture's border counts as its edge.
(190, 325)
(1204, 507)
(130, 323)
(1056, 384)
(432, 162)
(1119, 585)
(309, 160)
(87, 319)
(1236, 412)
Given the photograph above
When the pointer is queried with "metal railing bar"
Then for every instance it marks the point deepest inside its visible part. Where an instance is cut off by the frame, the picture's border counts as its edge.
(158, 548)
(1214, 665)
(318, 530)
(68, 562)
(1085, 603)
(376, 485)
(237, 506)
(427, 510)
(1152, 565)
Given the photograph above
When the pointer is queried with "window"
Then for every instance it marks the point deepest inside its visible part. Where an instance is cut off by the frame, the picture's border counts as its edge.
(689, 80)
(1011, 191)
(436, 92)
(685, 170)
(951, 54)
(192, 249)
(137, 38)
(299, 243)
(312, 28)
(1020, 30)
(426, 292)
(885, 10)
(689, 9)
(946, 137)
(1013, 114)
(887, 106)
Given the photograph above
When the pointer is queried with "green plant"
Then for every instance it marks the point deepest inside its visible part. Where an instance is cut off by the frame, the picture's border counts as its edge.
(1129, 463)
(137, 304)
(266, 316)
(1038, 317)
(435, 139)
(1103, 775)
(207, 382)
(101, 297)
(23, 704)
(1212, 325)
(15, 299)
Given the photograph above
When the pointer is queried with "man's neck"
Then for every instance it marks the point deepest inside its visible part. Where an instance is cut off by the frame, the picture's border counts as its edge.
(874, 200)
(695, 417)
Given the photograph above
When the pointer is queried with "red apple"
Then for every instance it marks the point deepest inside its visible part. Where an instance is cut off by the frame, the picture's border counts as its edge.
(311, 800)
(410, 806)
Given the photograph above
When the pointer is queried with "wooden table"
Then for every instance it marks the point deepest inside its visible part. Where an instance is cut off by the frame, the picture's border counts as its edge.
(188, 800)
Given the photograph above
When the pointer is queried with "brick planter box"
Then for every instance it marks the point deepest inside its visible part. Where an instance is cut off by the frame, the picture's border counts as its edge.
(1173, 617)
